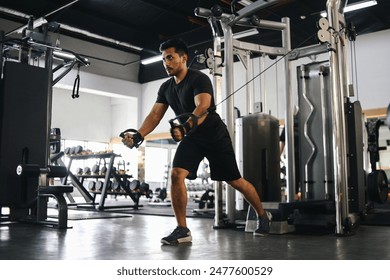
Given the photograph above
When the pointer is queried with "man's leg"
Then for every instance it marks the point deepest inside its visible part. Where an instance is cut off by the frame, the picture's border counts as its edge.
(250, 194)
(263, 217)
(179, 195)
(181, 234)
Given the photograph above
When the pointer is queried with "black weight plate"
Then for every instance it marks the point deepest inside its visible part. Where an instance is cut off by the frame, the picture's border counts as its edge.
(91, 185)
(72, 150)
(99, 186)
(377, 186)
(135, 184)
(78, 149)
(115, 186)
(144, 187)
(103, 170)
(67, 151)
(95, 169)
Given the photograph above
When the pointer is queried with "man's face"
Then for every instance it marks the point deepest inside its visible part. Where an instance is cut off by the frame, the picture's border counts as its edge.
(173, 62)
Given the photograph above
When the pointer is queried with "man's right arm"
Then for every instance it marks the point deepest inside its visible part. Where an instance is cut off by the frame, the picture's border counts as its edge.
(153, 118)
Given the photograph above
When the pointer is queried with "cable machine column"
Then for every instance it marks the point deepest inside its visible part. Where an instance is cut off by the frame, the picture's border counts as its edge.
(229, 55)
(217, 78)
(289, 118)
(334, 7)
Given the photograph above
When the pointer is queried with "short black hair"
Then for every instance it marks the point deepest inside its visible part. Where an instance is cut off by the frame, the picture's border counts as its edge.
(179, 45)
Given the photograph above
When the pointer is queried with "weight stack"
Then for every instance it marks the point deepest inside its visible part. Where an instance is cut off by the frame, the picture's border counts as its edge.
(23, 126)
(258, 155)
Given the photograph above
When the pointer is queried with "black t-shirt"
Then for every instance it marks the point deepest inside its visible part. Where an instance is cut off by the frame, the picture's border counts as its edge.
(180, 97)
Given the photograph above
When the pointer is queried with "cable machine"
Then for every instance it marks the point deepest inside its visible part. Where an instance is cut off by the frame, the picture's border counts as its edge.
(222, 25)
(334, 198)
(26, 162)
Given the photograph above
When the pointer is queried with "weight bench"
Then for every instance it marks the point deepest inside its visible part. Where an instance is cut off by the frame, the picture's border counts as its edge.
(45, 191)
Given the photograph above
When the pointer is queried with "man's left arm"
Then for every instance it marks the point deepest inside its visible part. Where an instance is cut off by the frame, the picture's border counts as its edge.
(202, 103)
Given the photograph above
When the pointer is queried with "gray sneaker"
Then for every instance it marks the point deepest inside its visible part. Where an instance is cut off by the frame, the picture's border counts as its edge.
(263, 224)
(179, 235)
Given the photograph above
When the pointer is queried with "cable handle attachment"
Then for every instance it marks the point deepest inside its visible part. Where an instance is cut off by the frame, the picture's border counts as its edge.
(137, 139)
(76, 85)
(182, 122)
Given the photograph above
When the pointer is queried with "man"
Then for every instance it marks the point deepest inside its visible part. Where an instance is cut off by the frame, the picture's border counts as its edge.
(191, 91)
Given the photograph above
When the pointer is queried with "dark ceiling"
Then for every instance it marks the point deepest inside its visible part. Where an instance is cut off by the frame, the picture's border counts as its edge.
(131, 30)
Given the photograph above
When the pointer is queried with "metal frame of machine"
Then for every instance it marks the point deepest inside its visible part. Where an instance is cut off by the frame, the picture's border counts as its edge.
(27, 78)
(333, 35)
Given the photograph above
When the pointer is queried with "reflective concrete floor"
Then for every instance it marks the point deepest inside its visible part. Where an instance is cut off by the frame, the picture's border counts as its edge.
(138, 238)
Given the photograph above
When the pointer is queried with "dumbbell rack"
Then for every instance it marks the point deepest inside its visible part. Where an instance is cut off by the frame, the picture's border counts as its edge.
(90, 196)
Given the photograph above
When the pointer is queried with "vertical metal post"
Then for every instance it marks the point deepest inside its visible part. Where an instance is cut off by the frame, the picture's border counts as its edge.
(325, 132)
(289, 117)
(49, 67)
(249, 88)
(1, 57)
(228, 37)
(217, 77)
(338, 118)
(263, 88)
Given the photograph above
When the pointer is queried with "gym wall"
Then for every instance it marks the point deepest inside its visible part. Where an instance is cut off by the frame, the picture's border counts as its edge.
(85, 118)
(373, 58)
(105, 108)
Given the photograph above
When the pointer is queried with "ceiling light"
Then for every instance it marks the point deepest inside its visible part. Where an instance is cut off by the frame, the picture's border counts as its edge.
(356, 6)
(151, 60)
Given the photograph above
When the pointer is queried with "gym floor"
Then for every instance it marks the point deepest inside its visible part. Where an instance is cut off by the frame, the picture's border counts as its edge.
(137, 237)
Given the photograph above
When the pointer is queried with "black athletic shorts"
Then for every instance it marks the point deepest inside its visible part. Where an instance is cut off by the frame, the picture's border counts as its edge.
(220, 154)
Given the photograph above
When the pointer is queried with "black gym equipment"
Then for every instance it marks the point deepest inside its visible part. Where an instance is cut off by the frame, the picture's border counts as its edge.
(33, 170)
(26, 137)
(120, 170)
(44, 191)
(377, 186)
(79, 171)
(261, 165)
(78, 149)
(134, 185)
(377, 183)
(115, 187)
(206, 201)
(161, 194)
(87, 171)
(98, 168)
(55, 141)
(99, 186)
(67, 151)
(145, 190)
(103, 181)
(91, 186)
